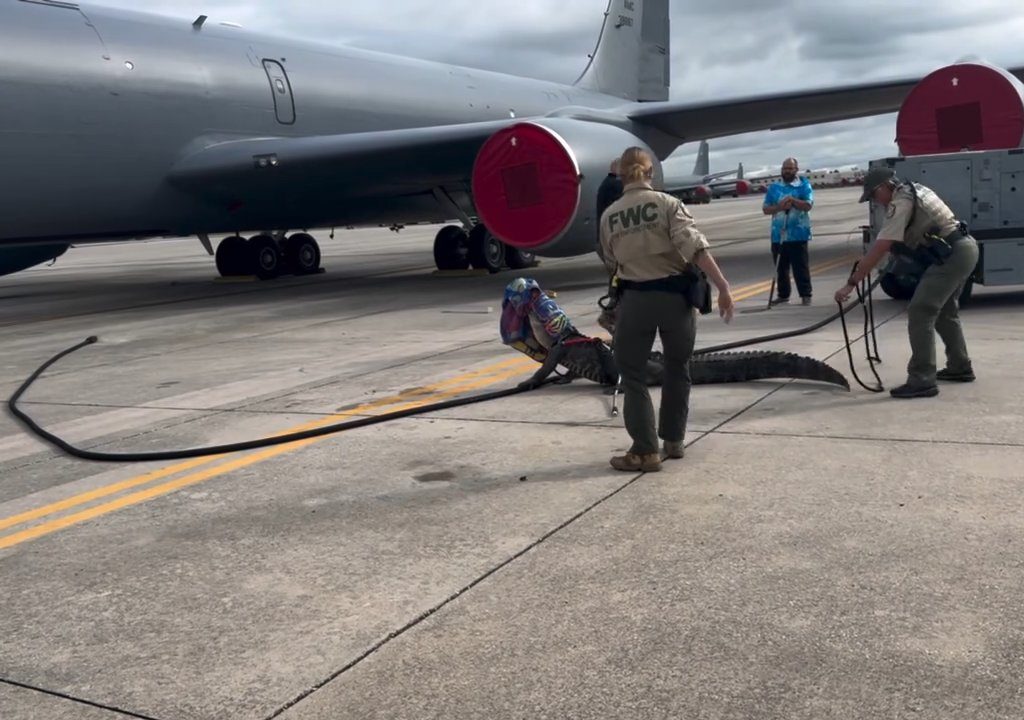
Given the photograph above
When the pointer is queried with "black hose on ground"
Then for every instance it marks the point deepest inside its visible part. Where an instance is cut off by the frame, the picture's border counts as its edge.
(84, 454)
(799, 331)
(231, 447)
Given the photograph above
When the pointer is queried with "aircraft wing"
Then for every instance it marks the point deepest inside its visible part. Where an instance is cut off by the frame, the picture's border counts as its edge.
(387, 162)
(716, 118)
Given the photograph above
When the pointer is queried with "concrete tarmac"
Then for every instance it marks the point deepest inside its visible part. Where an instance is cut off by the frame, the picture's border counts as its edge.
(818, 553)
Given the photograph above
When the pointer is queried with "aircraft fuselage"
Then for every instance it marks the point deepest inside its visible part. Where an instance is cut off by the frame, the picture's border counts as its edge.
(99, 104)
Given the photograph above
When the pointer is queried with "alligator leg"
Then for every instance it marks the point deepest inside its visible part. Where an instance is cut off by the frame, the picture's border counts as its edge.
(555, 356)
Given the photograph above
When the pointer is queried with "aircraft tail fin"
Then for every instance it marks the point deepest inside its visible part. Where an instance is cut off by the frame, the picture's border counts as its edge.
(739, 172)
(632, 57)
(702, 167)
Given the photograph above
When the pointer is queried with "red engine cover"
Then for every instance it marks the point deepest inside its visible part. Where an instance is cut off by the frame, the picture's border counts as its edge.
(526, 185)
(966, 106)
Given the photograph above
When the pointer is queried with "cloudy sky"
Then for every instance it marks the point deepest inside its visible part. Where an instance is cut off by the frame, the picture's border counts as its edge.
(720, 48)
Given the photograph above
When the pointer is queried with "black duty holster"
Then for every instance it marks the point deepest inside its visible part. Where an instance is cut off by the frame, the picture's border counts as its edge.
(692, 284)
(934, 252)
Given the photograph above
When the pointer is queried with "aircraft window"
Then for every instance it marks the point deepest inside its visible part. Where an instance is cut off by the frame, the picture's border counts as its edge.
(280, 85)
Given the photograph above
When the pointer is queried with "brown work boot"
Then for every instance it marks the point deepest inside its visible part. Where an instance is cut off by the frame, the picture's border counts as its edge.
(637, 463)
(673, 449)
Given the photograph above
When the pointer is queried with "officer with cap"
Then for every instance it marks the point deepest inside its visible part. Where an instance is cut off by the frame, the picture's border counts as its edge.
(650, 241)
(919, 223)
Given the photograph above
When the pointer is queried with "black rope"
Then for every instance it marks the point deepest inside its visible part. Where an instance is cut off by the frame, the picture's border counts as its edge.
(869, 333)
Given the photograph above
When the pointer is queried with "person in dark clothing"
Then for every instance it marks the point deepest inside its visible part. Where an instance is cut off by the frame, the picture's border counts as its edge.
(609, 192)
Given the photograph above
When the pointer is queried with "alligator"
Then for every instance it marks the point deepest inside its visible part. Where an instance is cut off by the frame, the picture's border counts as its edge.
(534, 324)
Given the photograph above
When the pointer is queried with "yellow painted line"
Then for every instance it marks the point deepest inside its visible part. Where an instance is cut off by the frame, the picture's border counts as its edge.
(146, 478)
(747, 292)
(198, 477)
(100, 492)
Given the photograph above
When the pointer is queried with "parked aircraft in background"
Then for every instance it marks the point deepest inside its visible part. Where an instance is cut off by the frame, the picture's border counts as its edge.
(121, 125)
(819, 178)
(732, 183)
(700, 185)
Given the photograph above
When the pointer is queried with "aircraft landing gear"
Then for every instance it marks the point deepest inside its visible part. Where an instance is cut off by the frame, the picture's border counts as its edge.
(233, 256)
(455, 249)
(486, 252)
(302, 254)
(518, 259)
(451, 247)
(267, 257)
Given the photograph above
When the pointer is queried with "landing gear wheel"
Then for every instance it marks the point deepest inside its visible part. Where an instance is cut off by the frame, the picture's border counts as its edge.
(232, 256)
(518, 259)
(302, 254)
(266, 257)
(485, 250)
(451, 246)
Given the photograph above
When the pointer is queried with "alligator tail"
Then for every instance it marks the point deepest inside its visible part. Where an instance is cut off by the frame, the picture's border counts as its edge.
(726, 367)
(594, 361)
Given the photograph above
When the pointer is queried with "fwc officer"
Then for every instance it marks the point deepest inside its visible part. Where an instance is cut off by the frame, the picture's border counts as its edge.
(649, 239)
(918, 222)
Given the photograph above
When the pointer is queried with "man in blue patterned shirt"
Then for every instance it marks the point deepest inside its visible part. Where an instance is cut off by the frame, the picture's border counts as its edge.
(789, 202)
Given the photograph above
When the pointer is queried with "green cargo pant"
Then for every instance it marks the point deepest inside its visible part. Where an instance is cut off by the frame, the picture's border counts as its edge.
(935, 308)
(641, 314)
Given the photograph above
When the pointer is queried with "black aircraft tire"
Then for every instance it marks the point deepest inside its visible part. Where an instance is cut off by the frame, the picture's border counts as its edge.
(231, 256)
(451, 248)
(302, 254)
(486, 252)
(518, 259)
(265, 256)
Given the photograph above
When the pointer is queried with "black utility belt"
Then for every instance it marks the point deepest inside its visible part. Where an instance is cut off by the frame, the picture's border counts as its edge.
(935, 251)
(691, 284)
(669, 283)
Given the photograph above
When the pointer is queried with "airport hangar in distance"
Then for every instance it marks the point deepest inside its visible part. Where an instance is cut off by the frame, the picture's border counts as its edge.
(133, 126)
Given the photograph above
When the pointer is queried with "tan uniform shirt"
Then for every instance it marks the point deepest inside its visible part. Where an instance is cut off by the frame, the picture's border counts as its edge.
(647, 234)
(932, 213)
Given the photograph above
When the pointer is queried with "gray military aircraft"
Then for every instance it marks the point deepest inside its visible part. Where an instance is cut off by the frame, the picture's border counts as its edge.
(700, 185)
(121, 125)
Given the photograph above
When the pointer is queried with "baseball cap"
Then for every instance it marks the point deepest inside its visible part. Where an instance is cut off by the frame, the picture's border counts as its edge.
(875, 177)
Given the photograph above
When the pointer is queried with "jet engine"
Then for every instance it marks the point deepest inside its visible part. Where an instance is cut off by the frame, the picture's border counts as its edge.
(535, 183)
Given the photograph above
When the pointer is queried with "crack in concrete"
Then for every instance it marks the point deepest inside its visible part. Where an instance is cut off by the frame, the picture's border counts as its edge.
(77, 700)
(433, 610)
